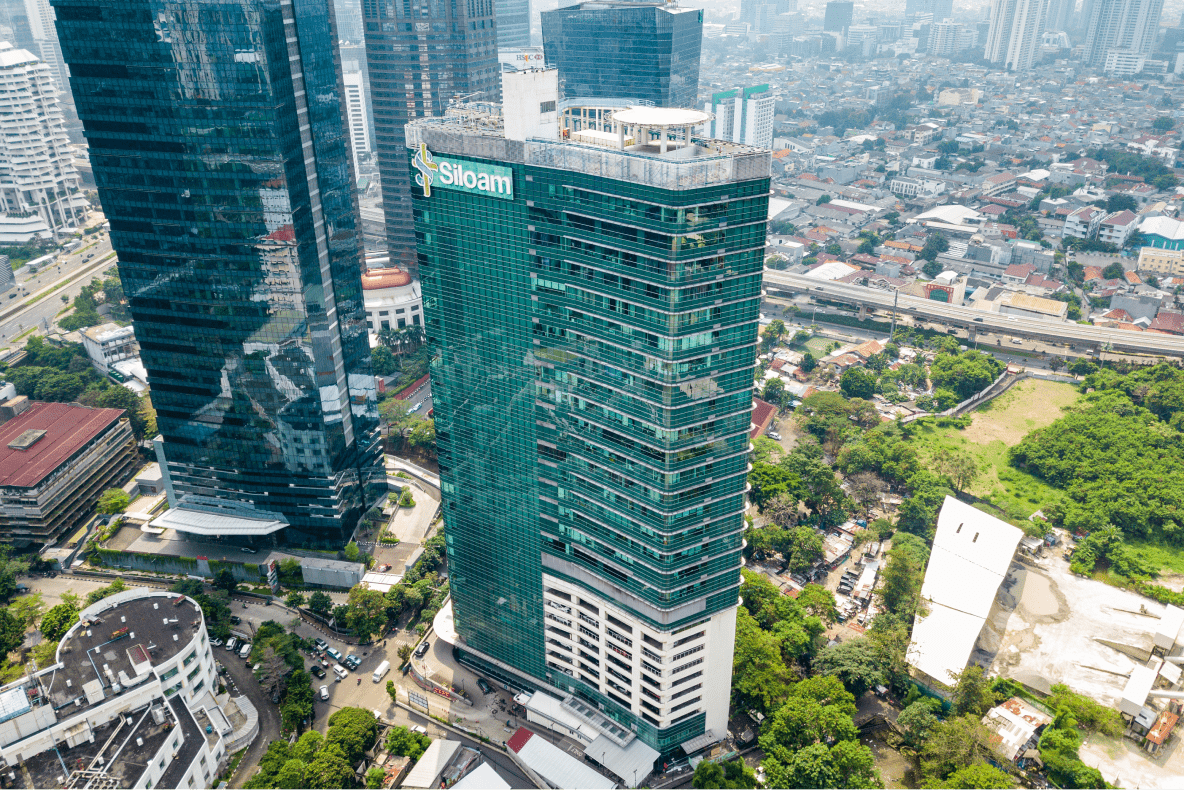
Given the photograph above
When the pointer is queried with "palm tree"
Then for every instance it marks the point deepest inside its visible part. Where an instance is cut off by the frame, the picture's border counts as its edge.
(388, 337)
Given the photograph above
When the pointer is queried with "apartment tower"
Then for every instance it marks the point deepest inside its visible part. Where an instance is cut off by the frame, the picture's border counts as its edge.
(594, 308)
(230, 196)
(421, 55)
(1122, 28)
(1014, 38)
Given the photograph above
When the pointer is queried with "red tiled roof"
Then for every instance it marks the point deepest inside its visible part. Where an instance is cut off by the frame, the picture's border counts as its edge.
(68, 429)
(762, 415)
(1133, 278)
(1019, 270)
(1169, 322)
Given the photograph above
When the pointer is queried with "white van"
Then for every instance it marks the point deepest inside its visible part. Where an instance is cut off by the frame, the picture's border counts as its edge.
(230, 643)
(381, 670)
(245, 650)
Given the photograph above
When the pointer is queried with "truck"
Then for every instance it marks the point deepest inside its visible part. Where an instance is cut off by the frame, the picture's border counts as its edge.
(381, 670)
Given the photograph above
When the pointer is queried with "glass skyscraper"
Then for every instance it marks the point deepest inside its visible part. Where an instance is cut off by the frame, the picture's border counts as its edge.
(421, 54)
(221, 155)
(513, 23)
(619, 49)
(595, 315)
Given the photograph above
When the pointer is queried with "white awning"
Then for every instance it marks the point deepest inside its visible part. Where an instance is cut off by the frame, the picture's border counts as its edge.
(633, 763)
(699, 742)
(201, 522)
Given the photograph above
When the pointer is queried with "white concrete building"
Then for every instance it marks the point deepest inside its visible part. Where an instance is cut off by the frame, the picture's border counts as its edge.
(1083, 223)
(742, 115)
(129, 702)
(109, 343)
(916, 187)
(1123, 26)
(1123, 62)
(37, 175)
(1117, 227)
(1014, 37)
(355, 107)
(392, 301)
(530, 101)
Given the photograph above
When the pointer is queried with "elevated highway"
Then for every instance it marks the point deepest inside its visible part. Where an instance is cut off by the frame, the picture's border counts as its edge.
(976, 321)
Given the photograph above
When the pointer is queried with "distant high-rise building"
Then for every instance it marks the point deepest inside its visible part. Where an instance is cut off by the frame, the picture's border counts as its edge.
(593, 400)
(421, 54)
(239, 252)
(947, 38)
(349, 20)
(16, 26)
(1126, 25)
(743, 115)
(1060, 15)
(37, 175)
(513, 23)
(1013, 40)
(626, 49)
(941, 9)
(359, 128)
(839, 14)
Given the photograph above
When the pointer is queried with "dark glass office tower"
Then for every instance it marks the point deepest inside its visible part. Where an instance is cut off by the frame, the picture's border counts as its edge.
(626, 50)
(220, 151)
(422, 54)
(595, 314)
(838, 15)
(513, 23)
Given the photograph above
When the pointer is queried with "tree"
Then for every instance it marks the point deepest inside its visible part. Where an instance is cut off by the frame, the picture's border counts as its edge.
(1163, 123)
(865, 488)
(367, 611)
(857, 383)
(402, 741)
(782, 510)
(972, 694)
(27, 609)
(330, 769)
(1056, 363)
(12, 632)
(901, 585)
(375, 776)
(58, 620)
(918, 719)
(423, 433)
(931, 268)
(384, 361)
(1114, 271)
(808, 362)
(960, 467)
(292, 775)
(224, 580)
(760, 678)
(822, 200)
(854, 662)
(354, 730)
(935, 244)
(404, 654)
(1120, 202)
(954, 744)
(112, 501)
(294, 600)
(769, 481)
(966, 374)
(774, 391)
(320, 603)
(772, 335)
(307, 747)
(352, 551)
(980, 776)
(731, 774)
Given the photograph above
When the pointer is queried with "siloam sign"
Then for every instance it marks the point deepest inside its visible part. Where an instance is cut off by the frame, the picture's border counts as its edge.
(447, 173)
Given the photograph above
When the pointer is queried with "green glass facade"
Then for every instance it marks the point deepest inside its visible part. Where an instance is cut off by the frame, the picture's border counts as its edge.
(596, 340)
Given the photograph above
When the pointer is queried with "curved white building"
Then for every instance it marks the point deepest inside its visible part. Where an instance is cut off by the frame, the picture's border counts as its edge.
(392, 300)
(37, 175)
(129, 703)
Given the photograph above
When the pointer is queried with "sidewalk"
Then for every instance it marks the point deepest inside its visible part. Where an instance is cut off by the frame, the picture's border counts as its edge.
(394, 464)
(410, 525)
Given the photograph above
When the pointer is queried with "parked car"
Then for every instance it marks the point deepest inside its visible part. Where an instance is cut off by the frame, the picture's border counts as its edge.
(230, 643)
(340, 671)
(215, 642)
(485, 687)
(247, 550)
(235, 619)
(334, 653)
(321, 644)
(324, 692)
(422, 650)
(774, 436)
(320, 673)
(352, 662)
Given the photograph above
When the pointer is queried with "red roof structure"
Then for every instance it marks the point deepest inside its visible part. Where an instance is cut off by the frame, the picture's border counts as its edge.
(376, 279)
(762, 415)
(518, 740)
(67, 429)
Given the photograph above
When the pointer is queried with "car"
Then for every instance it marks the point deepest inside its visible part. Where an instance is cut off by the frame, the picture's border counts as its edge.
(316, 670)
(320, 644)
(383, 568)
(334, 653)
(1017, 340)
(235, 619)
(422, 650)
(231, 643)
(340, 671)
(275, 697)
(416, 408)
(324, 692)
(485, 687)
(978, 320)
(420, 729)
(246, 550)
(352, 662)
(775, 436)
(215, 642)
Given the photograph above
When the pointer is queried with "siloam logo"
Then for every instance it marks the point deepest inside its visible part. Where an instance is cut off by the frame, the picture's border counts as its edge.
(446, 173)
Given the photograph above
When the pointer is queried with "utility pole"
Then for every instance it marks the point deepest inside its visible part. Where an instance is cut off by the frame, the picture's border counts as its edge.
(895, 299)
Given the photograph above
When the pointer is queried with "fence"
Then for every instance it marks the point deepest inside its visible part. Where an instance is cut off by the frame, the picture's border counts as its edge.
(992, 390)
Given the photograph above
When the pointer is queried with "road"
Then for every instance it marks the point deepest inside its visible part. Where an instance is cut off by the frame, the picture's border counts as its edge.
(269, 715)
(1058, 332)
(46, 309)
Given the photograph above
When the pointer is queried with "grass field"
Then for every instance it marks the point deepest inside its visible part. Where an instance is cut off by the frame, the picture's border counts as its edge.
(995, 427)
(817, 345)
